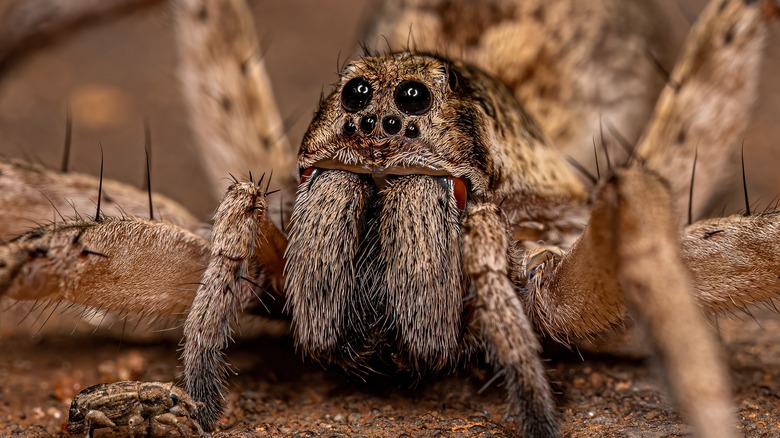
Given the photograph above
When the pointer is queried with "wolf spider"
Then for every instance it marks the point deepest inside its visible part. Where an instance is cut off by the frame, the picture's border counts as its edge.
(433, 221)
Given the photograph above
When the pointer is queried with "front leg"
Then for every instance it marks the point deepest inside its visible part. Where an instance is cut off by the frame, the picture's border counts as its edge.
(246, 252)
(629, 258)
(510, 336)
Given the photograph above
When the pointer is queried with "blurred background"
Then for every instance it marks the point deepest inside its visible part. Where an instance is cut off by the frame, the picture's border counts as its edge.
(121, 71)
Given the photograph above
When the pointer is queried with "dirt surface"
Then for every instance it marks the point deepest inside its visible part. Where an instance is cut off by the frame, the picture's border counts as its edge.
(276, 394)
(116, 74)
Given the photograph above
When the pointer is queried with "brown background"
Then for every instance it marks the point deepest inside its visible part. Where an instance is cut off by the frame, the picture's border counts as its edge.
(117, 73)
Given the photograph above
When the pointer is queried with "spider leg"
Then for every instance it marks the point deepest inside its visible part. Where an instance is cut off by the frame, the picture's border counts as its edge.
(708, 100)
(228, 92)
(733, 261)
(703, 112)
(243, 237)
(512, 343)
(27, 25)
(114, 264)
(32, 195)
(629, 258)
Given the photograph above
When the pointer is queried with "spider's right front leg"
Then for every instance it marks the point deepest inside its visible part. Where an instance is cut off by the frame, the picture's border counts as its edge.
(629, 258)
(509, 334)
(246, 259)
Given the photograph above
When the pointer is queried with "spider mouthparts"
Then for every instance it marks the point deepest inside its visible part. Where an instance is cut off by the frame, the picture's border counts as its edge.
(458, 187)
(460, 191)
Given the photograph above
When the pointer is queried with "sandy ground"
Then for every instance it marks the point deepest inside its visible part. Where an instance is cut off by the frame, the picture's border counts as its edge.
(276, 394)
(116, 74)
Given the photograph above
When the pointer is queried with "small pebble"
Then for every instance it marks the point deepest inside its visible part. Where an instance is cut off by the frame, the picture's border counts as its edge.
(54, 412)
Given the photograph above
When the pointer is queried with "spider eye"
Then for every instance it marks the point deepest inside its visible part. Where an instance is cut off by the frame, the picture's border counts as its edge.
(356, 94)
(413, 97)
(174, 398)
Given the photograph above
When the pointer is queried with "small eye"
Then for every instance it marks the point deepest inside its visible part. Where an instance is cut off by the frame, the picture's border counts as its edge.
(174, 398)
(349, 127)
(412, 131)
(356, 94)
(391, 125)
(413, 97)
(367, 123)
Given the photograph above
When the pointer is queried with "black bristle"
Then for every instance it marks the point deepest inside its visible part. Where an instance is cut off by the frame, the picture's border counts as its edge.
(100, 186)
(744, 182)
(690, 192)
(68, 137)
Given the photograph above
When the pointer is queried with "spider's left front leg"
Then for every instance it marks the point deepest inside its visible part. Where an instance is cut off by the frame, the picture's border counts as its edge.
(246, 259)
(508, 332)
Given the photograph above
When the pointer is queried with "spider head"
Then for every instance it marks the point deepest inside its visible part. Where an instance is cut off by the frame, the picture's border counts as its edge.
(404, 114)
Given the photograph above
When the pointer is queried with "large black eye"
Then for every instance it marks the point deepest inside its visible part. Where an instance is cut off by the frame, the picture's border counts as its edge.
(413, 98)
(356, 95)
(174, 398)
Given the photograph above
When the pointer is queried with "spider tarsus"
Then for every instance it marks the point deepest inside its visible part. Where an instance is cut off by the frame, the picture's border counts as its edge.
(535, 417)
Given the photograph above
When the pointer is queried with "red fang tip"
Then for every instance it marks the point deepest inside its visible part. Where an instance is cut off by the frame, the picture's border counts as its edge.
(459, 191)
(306, 174)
